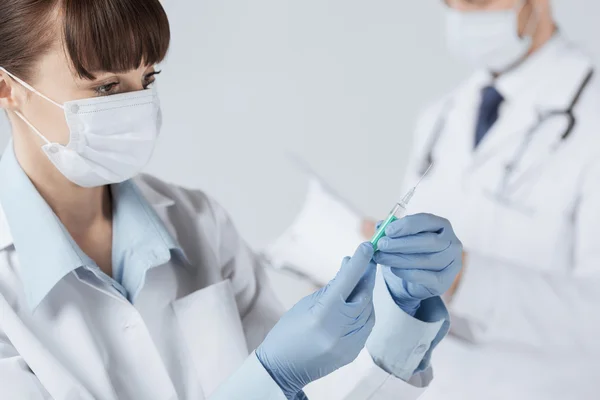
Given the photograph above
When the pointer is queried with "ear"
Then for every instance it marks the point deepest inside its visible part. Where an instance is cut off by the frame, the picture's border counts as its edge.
(8, 94)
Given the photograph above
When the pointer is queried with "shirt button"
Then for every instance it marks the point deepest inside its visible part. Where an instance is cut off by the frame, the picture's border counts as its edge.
(130, 322)
(129, 325)
(421, 349)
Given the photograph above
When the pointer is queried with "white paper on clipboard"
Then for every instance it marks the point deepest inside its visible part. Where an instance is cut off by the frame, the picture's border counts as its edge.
(325, 231)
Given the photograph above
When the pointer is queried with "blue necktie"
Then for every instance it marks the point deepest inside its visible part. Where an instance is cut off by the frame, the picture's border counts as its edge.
(488, 112)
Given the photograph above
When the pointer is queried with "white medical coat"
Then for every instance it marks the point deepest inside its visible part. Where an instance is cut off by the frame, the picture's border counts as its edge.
(183, 338)
(526, 319)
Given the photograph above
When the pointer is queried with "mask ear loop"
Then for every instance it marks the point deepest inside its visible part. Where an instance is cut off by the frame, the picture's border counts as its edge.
(31, 88)
(33, 128)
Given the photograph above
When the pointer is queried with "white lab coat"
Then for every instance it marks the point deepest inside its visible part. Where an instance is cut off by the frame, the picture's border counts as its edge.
(186, 334)
(526, 320)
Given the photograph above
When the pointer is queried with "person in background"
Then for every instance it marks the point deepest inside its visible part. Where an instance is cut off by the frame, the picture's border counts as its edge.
(115, 285)
(514, 153)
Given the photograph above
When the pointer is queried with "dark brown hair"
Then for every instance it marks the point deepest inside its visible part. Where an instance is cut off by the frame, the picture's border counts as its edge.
(97, 35)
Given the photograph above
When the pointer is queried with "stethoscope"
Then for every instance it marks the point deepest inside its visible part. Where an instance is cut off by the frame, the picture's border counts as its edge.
(543, 117)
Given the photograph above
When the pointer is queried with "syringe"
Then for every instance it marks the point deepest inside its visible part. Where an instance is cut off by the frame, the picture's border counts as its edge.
(397, 212)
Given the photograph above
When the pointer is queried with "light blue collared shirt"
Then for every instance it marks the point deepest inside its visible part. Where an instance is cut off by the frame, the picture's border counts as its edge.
(47, 252)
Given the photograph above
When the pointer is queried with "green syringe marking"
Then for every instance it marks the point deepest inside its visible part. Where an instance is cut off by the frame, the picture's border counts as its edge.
(381, 231)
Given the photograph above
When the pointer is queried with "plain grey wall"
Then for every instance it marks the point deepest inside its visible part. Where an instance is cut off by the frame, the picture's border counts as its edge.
(336, 81)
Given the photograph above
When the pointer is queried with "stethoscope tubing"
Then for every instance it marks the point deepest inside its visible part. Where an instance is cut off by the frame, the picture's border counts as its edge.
(440, 124)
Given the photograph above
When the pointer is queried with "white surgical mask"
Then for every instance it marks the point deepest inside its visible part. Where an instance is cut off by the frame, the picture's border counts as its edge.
(111, 137)
(489, 39)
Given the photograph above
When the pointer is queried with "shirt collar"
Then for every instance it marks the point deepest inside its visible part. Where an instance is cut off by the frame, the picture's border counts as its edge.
(140, 238)
(5, 236)
(549, 78)
(45, 248)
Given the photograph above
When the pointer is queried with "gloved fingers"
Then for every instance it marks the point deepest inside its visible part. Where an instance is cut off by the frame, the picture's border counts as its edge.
(431, 262)
(364, 326)
(378, 225)
(313, 297)
(368, 327)
(416, 276)
(419, 291)
(364, 289)
(301, 396)
(359, 300)
(353, 312)
(359, 305)
(418, 223)
(427, 242)
(345, 260)
(430, 279)
(349, 275)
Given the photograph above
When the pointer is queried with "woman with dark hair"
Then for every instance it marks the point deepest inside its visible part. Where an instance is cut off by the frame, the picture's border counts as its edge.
(115, 285)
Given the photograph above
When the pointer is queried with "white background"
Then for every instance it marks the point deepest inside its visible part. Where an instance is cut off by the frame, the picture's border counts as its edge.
(337, 81)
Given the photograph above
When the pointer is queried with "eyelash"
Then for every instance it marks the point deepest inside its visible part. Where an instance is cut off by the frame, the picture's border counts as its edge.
(106, 90)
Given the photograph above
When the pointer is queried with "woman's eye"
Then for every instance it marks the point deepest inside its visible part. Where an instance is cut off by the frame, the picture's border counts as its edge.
(150, 79)
(105, 90)
(148, 83)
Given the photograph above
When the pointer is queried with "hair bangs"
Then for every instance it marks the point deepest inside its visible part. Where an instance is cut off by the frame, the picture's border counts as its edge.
(114, 35)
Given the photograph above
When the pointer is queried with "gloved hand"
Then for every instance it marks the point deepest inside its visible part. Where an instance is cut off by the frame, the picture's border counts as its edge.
(420, 257)
(323, 331)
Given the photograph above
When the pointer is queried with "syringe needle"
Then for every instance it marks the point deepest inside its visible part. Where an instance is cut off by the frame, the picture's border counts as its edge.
(423, 176)
(397, 212)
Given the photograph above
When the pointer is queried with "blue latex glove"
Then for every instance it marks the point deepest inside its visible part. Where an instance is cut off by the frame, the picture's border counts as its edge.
(323, 331)
(421, 256)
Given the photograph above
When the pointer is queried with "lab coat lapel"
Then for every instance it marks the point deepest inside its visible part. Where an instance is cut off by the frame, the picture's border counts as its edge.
(5, 236)
(458, 135)
(513, 123)
(219, 349)
(460, 132)
(552, 89)
(538, 150)
(547, 137)
(59, 383)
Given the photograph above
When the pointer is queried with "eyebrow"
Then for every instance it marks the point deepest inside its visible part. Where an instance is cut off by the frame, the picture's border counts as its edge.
(98, 76)
(102, 75)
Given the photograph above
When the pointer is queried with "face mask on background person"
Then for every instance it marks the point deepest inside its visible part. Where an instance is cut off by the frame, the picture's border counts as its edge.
(489, 39)
(111, 138)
